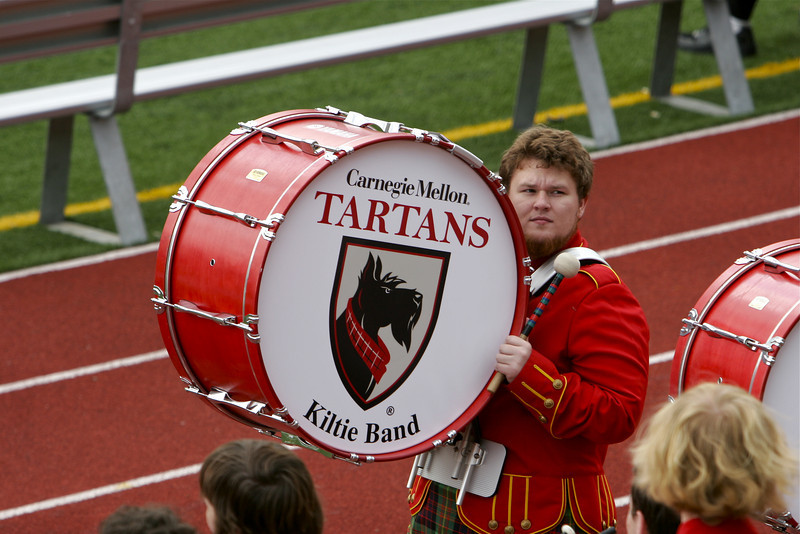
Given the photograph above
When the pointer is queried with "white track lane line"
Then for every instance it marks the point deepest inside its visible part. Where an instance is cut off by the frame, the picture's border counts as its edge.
(100, 492)
(82, 371)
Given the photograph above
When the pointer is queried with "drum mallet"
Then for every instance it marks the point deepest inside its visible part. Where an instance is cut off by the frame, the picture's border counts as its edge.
(566, 266)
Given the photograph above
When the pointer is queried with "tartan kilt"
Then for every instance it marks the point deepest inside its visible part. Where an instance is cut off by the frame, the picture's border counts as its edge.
(439, 514)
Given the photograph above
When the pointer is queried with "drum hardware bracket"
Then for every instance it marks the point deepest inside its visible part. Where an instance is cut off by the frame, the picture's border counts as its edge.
(773, 344)
(781, 522)
(771, 263)
(224, 319)
(459, 463)
(296, 441)
(221, 397)
(357, 119)
(498, 181)
(354, 118)
(249, 220)
(274, 137)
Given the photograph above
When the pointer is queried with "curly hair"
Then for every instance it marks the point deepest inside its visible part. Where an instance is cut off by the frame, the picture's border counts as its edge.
(260, 487)
(716, 452)
(556, 148)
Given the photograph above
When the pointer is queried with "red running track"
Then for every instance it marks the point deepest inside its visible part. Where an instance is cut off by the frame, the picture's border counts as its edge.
(97, 432)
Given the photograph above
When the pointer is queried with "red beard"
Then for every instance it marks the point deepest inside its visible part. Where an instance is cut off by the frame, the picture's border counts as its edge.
(544, 248)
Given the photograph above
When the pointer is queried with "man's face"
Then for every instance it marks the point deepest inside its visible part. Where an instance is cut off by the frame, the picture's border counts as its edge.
(547, 204)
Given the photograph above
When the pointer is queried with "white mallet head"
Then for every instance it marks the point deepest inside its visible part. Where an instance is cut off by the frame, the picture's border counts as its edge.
(567, 265)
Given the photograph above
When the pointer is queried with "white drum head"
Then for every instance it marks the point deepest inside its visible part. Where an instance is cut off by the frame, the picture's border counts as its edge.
(417, 219)
(782, 396)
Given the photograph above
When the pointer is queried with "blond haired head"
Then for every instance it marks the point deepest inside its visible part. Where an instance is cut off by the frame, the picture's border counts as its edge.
(716, 453)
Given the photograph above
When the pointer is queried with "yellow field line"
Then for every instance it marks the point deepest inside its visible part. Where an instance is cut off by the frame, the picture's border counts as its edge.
(30, 218)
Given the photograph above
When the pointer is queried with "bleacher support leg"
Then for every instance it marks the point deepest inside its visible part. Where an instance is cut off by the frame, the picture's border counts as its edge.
(119, 182)
(666, 48)
(726, 51)
(729, 59)
(593, 85)
(530, 77)
(56, 170)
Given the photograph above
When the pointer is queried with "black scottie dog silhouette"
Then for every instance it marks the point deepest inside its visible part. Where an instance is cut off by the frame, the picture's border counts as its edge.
(377, 302)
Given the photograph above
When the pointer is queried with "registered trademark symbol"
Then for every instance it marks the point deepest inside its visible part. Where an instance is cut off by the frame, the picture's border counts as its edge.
(390, 410)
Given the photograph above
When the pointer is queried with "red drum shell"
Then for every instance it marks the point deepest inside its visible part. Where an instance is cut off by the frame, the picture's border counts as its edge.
(249, 313)
(752, 300)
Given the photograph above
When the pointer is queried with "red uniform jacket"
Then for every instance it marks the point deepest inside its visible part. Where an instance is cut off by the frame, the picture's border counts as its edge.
(582, 388)
(729, 526)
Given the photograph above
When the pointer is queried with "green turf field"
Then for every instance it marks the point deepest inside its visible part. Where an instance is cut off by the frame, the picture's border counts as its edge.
(445, 88)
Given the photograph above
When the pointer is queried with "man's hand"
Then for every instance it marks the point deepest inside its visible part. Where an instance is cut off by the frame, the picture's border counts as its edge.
(511, 358)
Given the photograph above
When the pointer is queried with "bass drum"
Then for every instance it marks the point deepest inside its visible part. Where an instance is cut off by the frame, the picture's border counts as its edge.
(341, 282)
(744, 331)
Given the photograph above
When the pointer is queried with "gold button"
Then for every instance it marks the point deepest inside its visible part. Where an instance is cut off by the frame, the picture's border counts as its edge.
(525, 524)
(493, 524)
(411, 497)
(543, 419)
(558, 384)
(509, 530)
(548, 403)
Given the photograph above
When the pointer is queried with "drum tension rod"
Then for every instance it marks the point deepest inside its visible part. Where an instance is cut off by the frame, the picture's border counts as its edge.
(274, 137)
(223, 319)
(750, 343)
(243, 218)
(770, 262)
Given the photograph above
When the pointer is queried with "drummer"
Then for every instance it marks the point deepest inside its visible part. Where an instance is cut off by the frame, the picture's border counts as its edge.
(576, 387)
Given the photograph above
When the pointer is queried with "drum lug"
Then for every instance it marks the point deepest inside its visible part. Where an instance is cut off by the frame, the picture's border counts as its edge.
(158, 300)
(179, 199)
(498, 181)
(253, 335)
(772, 345)
(689, 323)
(332, 157)
(245, 127)
(527, 279)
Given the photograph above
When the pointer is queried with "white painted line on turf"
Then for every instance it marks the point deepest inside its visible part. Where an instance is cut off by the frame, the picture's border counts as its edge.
(82, 371)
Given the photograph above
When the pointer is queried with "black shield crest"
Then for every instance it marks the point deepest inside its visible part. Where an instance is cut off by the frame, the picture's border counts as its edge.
(384, 306)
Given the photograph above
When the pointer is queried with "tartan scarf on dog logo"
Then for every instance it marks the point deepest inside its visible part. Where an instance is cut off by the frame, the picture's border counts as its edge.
(373, 351)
